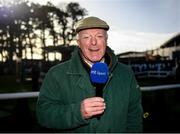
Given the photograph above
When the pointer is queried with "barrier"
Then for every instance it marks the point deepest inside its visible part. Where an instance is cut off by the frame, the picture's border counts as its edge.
(160, 87)
(7, 96)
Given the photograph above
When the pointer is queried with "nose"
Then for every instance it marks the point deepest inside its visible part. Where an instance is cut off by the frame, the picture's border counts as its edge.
(93, 40)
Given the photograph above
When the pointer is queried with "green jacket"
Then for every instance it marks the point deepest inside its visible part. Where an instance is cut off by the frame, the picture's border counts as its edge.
(68, 83)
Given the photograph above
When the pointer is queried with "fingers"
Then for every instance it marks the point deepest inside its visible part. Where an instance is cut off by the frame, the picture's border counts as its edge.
(96, 113)
(92, 106)
(94, 99)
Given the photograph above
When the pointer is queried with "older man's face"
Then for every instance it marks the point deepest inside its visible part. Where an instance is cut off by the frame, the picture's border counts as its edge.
(92, 43)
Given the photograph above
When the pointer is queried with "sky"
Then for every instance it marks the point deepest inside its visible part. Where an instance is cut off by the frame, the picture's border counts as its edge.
(135, 25)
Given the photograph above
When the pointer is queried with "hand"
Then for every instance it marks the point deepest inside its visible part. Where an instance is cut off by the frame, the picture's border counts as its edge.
(92, 106)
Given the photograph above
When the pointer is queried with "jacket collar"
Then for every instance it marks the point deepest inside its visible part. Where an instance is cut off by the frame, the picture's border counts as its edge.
(79, 74)
(113, 59)
(76, 67)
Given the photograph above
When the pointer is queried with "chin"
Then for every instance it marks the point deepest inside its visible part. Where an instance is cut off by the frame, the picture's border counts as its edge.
(95, 60)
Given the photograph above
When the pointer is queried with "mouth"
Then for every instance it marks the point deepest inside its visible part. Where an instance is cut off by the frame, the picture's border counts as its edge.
(93, 49)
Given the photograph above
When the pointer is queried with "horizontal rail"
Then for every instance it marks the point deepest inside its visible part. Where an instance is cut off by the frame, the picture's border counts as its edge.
(19, 95)
(160, 87)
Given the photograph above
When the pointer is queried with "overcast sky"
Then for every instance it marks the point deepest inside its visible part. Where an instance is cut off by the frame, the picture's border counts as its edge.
(135, 25)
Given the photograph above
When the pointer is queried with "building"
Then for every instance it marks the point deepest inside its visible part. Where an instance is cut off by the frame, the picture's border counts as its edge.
(160, 62)
(170, 48)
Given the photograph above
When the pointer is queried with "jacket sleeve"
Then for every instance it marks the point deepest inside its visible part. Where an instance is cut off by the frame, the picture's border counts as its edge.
(135, 111)
(52, 113)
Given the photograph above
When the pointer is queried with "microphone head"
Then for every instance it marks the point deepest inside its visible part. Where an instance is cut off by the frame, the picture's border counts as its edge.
(99, 73)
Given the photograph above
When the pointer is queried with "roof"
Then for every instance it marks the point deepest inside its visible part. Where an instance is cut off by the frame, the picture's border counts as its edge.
(131, 54)
(169, 42)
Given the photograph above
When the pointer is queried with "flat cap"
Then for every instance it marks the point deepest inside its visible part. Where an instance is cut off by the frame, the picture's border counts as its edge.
(91, 22)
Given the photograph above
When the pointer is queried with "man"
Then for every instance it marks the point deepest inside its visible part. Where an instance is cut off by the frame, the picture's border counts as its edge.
(68, 100)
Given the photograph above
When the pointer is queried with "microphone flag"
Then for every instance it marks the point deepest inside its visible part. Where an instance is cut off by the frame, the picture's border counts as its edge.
(99, 73)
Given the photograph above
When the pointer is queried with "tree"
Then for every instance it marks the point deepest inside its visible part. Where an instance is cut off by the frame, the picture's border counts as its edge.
(67, 19)
(20, 21)
(75, 13)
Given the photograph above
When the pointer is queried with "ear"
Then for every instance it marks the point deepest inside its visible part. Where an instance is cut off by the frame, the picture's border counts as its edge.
(77, 41)
(106, 36)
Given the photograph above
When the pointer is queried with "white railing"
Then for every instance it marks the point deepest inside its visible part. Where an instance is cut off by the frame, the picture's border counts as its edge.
(19, 95)
(160, 87)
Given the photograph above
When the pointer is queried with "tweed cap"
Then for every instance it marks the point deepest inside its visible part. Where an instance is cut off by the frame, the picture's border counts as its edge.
(91, 22)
